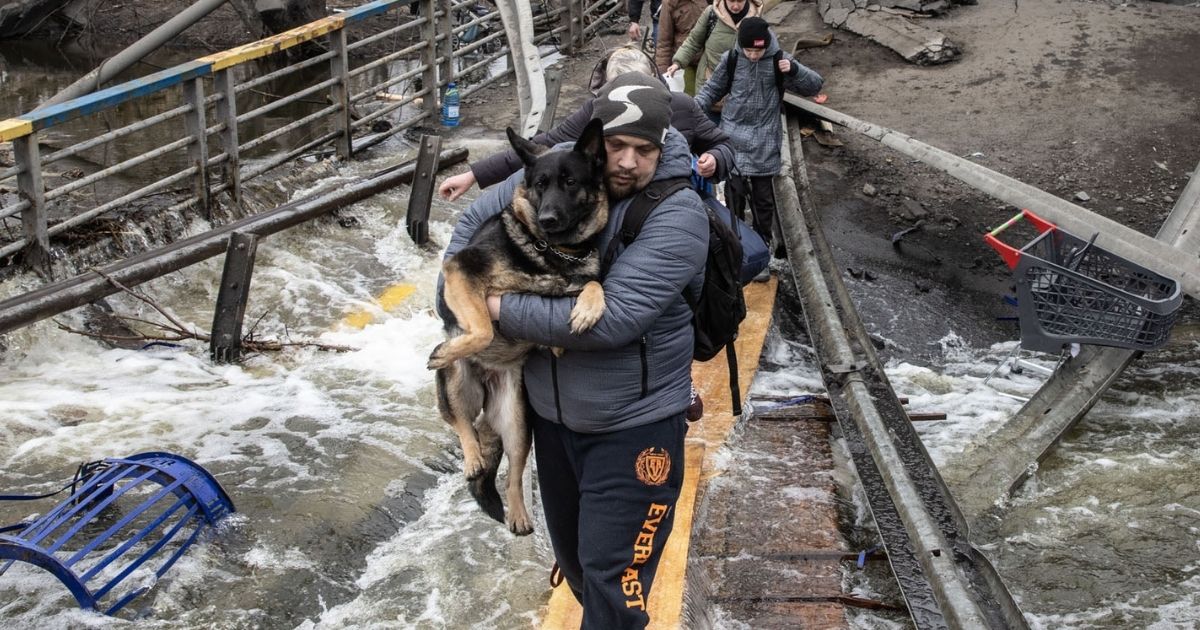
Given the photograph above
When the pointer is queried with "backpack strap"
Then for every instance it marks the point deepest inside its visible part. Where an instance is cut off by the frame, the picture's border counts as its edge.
(638, 210)
(778, 74)
(709, 23)
(735, 390)
(732, 64)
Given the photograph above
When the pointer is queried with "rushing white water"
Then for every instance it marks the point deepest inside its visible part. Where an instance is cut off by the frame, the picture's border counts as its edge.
(351, 506)
(1107, 532)
(352, 510)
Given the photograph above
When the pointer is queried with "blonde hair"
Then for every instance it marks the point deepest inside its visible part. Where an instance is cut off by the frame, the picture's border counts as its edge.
(628, 59)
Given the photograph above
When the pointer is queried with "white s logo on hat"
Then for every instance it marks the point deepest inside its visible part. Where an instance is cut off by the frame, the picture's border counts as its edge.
(632, 112)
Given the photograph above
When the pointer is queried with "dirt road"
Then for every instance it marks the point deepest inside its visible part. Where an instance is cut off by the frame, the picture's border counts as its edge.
(1069, 96)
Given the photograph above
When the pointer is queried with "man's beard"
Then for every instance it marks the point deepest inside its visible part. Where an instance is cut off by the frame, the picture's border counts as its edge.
(622, 183)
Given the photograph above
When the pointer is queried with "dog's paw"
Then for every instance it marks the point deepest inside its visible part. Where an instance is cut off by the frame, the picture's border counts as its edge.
(473, 466)
(440, 357)
(519, 524)
(588, 308)
(582, 320)
(558, 352)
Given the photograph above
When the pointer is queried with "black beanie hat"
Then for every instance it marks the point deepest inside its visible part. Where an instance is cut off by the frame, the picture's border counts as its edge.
(634, 104)
(753, 32)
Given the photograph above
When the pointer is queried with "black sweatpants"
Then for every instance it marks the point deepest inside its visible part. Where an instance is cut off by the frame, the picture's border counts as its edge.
(760, 194)
(609, 500)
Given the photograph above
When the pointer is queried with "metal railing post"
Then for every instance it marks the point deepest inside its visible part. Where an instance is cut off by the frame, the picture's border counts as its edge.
(574, 19)
(429, 78)
(223, 83)
(31, 189)
(339, 68)
(225, 345)
(446, 25)
(421, 196)
(194, 122)
(553, 88)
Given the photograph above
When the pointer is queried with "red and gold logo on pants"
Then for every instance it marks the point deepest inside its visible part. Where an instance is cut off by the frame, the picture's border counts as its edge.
(653, 466)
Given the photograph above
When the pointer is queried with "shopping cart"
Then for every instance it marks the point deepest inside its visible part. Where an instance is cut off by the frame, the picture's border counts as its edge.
(1071, 291)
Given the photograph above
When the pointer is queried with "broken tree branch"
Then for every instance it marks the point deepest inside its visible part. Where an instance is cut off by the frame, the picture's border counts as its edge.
(177, 330)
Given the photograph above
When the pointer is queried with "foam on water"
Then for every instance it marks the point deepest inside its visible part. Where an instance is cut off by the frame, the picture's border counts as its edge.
(326, 455)
(1107, 533)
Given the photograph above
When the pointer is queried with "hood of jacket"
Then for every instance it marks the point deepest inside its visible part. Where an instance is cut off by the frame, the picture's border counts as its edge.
(754, 9)
(676, 158)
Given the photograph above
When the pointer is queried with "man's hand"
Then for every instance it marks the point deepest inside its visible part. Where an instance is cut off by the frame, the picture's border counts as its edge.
(635, 31)
(453, 187)
(785, 66)
(707, 165)
(672, 69)
(493, 304)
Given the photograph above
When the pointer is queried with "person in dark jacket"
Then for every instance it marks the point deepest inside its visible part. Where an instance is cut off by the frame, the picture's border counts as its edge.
(635, 18)
(714, 33)
(751, 114)
(608, 414)
(705, 138)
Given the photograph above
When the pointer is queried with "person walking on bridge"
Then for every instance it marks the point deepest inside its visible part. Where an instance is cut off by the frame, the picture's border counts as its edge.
(751, 79)
(704, 138)
(635, 19)
(714, 33)
(675, 22)
(608, 414)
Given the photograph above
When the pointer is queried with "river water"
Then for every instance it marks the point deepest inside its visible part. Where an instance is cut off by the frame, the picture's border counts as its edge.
(352, 510)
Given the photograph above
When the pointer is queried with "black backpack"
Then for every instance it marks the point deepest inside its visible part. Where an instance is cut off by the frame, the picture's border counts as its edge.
(721, 306)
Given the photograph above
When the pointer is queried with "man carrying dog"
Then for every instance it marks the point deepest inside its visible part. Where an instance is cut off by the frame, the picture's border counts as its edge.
(608, 414)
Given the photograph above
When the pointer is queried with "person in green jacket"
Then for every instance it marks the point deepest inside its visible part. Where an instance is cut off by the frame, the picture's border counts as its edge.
(715, 33)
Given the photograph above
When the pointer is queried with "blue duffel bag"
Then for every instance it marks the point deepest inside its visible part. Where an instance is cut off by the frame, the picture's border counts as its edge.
(755, 255)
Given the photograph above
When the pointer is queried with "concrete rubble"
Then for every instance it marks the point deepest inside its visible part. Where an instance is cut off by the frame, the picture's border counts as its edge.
(886, 23)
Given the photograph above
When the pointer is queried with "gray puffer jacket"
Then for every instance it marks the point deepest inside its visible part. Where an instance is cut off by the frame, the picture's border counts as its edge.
(634, 366)
(751, 113)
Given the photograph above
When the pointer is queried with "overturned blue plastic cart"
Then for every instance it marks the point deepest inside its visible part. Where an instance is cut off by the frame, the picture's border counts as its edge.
(141, 511)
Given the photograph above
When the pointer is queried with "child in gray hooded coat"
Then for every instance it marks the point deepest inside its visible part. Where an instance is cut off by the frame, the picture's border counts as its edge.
(751, 114)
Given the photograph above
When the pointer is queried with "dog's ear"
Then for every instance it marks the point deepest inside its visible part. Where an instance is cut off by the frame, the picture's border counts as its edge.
(591, 141)
(526, 150)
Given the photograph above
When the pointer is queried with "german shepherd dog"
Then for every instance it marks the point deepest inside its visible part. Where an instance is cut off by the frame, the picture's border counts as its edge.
(544, 242)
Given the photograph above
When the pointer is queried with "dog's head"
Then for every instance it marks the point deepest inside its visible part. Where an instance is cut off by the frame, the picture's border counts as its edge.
(563, 202)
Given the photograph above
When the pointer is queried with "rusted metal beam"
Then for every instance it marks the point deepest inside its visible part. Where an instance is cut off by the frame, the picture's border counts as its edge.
(420, 196)
(225, 344)
(916, 517)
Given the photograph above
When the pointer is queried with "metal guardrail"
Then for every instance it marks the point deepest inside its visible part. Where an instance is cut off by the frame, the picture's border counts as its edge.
(63, 295)
(435, 44)
(945, 581)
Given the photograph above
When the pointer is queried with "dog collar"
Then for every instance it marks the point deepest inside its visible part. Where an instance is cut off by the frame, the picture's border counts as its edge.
(542, 246)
